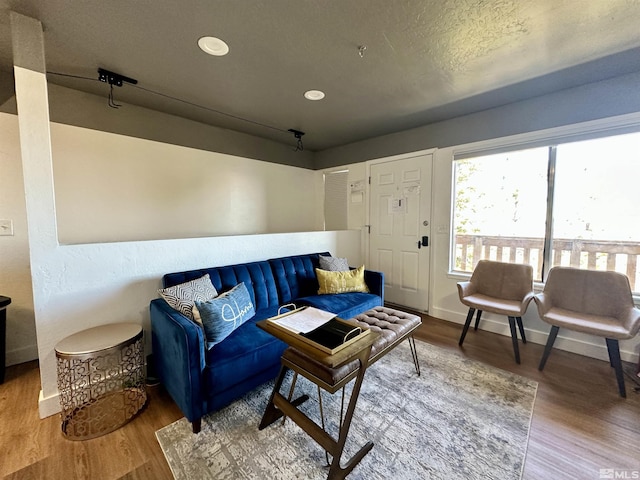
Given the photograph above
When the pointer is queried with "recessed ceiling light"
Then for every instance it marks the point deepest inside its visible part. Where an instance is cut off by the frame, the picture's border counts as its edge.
(213, 46)
(314, 95)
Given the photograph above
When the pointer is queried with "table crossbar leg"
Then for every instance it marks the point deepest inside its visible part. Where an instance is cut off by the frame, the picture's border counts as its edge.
(279, 406)
(272, 413)
(336, 471)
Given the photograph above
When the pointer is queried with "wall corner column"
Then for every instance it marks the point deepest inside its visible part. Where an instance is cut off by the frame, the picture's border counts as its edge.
(37, 166)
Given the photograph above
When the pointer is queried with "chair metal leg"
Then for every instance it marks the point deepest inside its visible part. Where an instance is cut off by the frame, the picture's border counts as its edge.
(414, 353)
(475, 327)
(614, 355)
(521, 328)
(547, 348)
(466, 325)
(514, 338)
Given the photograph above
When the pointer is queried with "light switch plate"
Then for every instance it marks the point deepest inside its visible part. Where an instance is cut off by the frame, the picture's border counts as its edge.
(6, 227)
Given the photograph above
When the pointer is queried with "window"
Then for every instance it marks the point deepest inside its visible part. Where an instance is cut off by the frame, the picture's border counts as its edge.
(570, 204)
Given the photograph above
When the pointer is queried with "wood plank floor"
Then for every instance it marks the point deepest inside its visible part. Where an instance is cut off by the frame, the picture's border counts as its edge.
(579, 425)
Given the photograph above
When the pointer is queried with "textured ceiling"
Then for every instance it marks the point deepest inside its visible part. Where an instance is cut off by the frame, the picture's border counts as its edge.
(425, 60)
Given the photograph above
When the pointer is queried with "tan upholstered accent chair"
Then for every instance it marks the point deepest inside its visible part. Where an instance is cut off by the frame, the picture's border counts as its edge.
(502, 288)
(589, 301)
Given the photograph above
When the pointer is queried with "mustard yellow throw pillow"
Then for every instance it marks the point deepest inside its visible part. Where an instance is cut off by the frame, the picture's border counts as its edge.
(341, 282)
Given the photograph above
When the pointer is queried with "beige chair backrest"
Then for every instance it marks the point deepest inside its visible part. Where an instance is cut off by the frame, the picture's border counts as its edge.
(589, 291)
(508, 281)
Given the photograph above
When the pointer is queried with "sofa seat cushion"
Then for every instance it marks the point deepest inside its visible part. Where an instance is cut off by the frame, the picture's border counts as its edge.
(345, 305)
(600, 325)
(243, 354)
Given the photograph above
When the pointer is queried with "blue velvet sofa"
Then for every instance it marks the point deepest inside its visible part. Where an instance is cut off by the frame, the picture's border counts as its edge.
(202, 380)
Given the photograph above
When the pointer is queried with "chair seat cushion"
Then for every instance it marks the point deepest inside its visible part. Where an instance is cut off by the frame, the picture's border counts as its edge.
(511, 308)
(599, 325)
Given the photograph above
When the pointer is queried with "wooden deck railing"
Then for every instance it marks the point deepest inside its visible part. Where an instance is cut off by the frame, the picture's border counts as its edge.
(593, 254)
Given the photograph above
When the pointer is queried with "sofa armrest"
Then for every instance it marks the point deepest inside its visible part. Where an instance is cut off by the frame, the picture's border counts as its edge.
(375, 282)
(178, 354)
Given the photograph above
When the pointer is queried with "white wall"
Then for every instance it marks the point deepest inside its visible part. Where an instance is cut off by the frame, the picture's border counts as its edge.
(356, 211)
(96, 284)
(15, 274)
(86, 285)
(110, 187)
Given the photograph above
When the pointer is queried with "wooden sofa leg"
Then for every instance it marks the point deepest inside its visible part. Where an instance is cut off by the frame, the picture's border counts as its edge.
(514, 338)
(614, 356)
(547, 348)
(196, 425)
(466, 325)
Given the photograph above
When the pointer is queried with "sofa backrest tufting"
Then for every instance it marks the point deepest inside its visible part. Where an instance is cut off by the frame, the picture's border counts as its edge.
(270, 282)
(257, 277)
(295, 276)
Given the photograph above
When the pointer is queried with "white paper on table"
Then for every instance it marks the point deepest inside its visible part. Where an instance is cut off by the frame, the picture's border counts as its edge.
(304, 320)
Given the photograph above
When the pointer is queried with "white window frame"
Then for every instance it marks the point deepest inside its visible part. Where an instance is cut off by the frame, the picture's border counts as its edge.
(594, 129)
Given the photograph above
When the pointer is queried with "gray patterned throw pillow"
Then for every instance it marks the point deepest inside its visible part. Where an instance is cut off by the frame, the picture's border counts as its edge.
(334, 264)
(183, 297)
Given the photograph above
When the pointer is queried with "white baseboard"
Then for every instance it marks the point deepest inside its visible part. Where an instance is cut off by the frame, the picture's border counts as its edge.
(48, 406)
(596, 349)
(21, 355)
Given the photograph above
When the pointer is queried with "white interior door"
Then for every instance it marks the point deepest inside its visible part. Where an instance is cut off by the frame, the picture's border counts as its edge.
(399, 210)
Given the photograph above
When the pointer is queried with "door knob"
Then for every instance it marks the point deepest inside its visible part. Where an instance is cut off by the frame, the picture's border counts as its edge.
(424, 242)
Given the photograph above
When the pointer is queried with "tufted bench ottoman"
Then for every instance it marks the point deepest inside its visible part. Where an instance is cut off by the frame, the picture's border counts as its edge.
(393, 327)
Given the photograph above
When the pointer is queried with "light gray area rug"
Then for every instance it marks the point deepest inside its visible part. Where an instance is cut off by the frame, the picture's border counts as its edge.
(460, 420)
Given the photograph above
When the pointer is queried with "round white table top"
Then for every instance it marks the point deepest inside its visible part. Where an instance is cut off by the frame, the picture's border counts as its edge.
(98, 338)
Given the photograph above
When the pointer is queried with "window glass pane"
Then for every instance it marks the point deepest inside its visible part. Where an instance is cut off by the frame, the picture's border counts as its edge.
(596, 219)
(499, 209)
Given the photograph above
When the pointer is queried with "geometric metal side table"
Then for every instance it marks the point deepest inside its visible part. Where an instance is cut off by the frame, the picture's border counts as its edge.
(101, 379)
